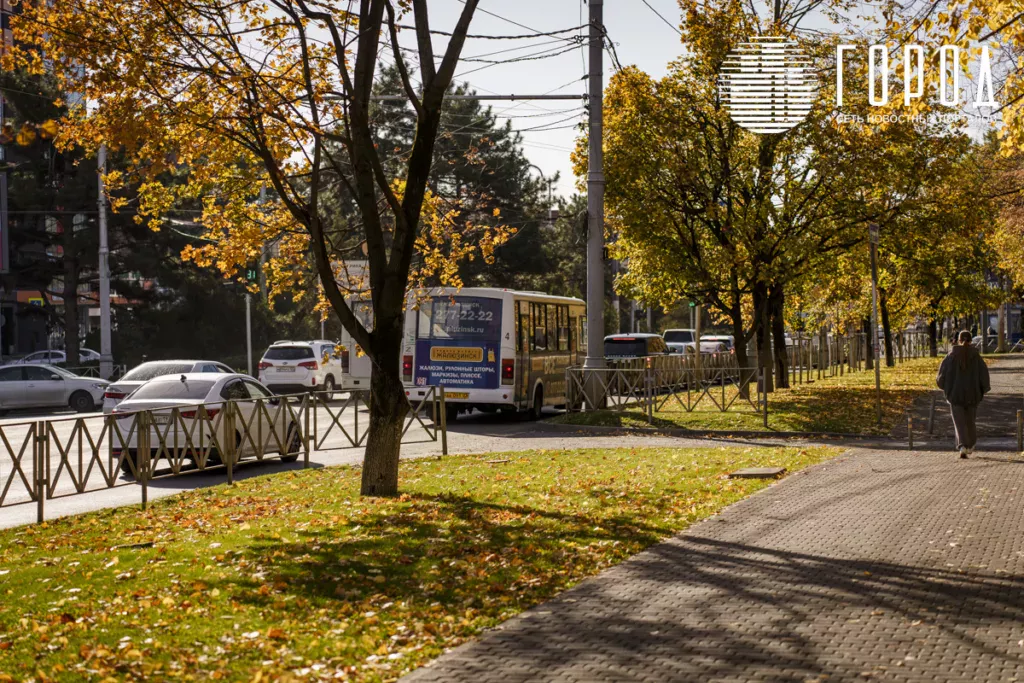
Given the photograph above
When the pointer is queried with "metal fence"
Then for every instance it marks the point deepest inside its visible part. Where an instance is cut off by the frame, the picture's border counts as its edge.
(666, 381)
(43, 460)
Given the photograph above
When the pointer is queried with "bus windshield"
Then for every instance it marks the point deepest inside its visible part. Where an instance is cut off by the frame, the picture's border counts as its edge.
(460, 317)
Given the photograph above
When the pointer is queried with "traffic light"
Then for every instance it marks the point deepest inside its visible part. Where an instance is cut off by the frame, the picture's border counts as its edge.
(252, 273)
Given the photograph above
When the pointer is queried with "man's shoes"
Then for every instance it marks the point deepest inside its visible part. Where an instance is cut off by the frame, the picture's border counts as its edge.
(970, 451)
(963, 453)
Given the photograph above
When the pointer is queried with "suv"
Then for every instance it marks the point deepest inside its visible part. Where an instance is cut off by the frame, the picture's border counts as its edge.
(680, 336)
(290, 367)
(637, 345)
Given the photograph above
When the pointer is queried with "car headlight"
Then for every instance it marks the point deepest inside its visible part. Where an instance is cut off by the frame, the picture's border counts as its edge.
(99, 386)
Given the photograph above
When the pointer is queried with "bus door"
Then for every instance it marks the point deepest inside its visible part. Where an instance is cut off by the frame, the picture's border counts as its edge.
(522, 352)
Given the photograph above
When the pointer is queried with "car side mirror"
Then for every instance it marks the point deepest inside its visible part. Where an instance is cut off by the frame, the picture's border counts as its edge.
(274, 401)
(55, 377)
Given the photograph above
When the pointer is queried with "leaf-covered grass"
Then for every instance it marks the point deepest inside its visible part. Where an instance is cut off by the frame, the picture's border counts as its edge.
(836, 404)
(296, 576)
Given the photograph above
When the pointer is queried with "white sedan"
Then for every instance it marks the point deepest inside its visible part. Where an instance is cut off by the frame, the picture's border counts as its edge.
(141, 374)
(200, 433)
(44, 386)
(53, 356)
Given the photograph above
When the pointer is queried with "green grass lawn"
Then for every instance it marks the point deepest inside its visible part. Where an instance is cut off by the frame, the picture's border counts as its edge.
(835, 404)
(295, 575)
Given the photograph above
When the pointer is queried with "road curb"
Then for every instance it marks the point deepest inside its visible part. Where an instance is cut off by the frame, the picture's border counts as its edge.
(681, 431)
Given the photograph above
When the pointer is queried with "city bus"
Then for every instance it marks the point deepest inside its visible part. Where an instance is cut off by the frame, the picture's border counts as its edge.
(492, 349)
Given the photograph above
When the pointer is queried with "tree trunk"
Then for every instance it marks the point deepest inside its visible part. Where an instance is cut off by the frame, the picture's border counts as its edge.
(764, 356)
(388, 408)
(933, 341)
(883, 304)
(776, 303)
(71, 352)
(869, 343)
(738, 333)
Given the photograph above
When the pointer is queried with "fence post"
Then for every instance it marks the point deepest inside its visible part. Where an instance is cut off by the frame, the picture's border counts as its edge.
(229, 439)
(310, 406)
(764, 396)
(40, 441)
(910, 431)
(444, 423)
(931, 417)
(1020, 431)
(142, 422)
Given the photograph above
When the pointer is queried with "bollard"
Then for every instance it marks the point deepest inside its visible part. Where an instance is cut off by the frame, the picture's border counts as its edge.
(229, 440)
(1020, 431)
(142, 422)
(931, 417)
(444, 424)
(910, 431)
(310, 406)
(41, 459)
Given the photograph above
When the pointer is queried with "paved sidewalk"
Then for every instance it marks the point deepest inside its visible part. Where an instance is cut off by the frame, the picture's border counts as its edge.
(879, 565)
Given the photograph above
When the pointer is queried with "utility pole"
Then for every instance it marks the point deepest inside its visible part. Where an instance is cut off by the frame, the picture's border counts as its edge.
(873, 239)
(106, 361)
(595, 196)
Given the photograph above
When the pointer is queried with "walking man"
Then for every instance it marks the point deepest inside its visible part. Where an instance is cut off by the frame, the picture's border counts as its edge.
(963, 378)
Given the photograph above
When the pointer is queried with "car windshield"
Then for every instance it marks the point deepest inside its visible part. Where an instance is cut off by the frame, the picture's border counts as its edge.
(679, 336)
(148, 371)
(288, 353)
(190, 389)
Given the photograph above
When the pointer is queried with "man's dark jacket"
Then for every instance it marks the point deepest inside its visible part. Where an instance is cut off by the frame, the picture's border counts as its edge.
(963, 376)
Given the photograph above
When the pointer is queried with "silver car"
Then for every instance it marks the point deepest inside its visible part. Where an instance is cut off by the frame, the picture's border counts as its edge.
(46, 386)
(141, 374)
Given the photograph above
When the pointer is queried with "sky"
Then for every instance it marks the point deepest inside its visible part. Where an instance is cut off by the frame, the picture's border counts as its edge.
(640, 37)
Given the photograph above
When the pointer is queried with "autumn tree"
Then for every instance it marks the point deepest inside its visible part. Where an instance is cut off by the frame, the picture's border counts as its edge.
(248, 94)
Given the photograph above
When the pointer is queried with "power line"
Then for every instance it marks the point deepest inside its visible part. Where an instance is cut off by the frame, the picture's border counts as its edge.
(667, 22)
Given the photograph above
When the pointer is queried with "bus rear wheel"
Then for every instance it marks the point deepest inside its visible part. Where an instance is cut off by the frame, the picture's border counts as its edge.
(451, 413)
(538, 403)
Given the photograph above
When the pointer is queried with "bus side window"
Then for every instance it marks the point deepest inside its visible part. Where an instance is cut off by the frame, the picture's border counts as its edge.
(583, 334)
(563, 328)
(572, 334)
(540, 328)
(519, 327)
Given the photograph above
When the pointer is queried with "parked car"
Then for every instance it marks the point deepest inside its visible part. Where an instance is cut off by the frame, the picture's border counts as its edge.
(681, 347)
(635, 345)
(54, 357)
(46, 386)
(187, 392)
(727, 339)
(141, 374)
(290, 367)
(679, 336)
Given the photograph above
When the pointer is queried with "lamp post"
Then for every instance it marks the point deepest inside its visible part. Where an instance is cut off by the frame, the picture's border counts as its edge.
(873, 241)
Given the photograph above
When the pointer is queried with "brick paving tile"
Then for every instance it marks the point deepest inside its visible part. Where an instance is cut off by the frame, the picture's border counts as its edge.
(876, 566)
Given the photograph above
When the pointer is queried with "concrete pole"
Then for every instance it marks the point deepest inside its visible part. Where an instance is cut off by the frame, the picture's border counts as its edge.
(106, 360)
(248, 332)
(650, 319)
(595, 193)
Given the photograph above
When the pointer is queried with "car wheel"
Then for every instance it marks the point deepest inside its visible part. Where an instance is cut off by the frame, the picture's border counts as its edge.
(538, 403)
(451, 413)
(128, 464)
(329, 388)
(292, 444)
(81, 402)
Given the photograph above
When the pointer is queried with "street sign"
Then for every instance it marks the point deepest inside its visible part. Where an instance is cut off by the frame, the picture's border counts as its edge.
(873, 233)
(35, 301)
